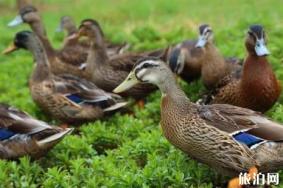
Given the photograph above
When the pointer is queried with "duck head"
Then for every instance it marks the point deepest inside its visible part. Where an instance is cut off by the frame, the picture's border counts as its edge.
(148, 70)
(256, 41)
(205, 36)
(27, 14)
(88, 26)
(66, 22)
(21, 40)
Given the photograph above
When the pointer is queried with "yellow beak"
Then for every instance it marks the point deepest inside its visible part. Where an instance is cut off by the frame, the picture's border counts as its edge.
(128, 83)
(10, 49)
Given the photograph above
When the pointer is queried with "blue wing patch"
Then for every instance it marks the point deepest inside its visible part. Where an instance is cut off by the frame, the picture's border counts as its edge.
(5, 134)
(75, 98)
(247, 139)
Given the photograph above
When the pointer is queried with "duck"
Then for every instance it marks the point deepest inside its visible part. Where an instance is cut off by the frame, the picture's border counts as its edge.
(227, 138)
(60, 61)
(112, 49)
(194, 59)
(70, 59)
(107, 72)
(22, 135)
(67, 23)
(66, 98)
(256, 86)
(72, 45)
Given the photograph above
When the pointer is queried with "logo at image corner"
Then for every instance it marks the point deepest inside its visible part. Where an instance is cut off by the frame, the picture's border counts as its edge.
(259, 179)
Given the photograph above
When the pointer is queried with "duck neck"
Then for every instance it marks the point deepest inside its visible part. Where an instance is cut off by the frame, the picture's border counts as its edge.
(255, 69)
(213, 58)
(169, 88)
(97, 55)
(214, 67)
(41, 71)
(174, 105)
(38, 28)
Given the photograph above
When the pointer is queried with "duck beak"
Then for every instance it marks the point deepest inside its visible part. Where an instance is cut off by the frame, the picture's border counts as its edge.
(128, 83)
(16, 21)
(201, 42)
(260, 48)
(12, 47)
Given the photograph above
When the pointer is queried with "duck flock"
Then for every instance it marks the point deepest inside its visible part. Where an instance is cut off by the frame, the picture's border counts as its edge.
(90, 78)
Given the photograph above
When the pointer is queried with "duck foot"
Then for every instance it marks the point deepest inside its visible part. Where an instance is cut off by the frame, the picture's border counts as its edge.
(235, 182)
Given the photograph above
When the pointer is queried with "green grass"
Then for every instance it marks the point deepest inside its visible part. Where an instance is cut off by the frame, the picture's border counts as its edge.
(129, 151)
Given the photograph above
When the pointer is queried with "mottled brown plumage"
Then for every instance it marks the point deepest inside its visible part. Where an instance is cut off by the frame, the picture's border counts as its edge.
(71, 58)
(214, 67)
(65, 97)
(107, 72)
(110, 74)
(73, 44)
(257, 88)
(184, 59)
(21, 135)
(210, 133)
(60, 63)
(193, 59)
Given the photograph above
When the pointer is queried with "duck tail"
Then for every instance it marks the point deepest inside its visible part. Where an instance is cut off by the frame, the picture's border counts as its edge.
(54, 139)
(116, 106)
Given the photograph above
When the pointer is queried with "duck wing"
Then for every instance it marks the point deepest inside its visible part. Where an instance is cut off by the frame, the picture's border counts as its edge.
(13, 121)
(234, 120)
(81, 91)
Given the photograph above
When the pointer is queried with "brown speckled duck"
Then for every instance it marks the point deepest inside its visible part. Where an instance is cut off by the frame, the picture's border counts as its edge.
(60, 62)
(192, 59)
(68, 24)
(72, 56)
(65, 97)
(228, 138)
(107, 72)
(257, 87)
(21, 135)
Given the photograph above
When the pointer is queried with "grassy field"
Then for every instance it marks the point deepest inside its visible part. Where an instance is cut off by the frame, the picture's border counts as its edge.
(129, 151)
